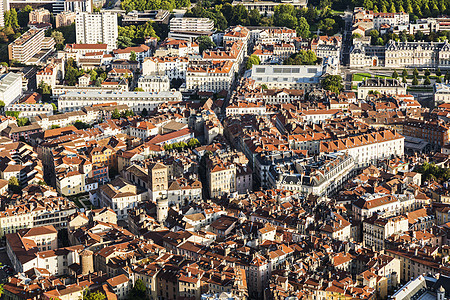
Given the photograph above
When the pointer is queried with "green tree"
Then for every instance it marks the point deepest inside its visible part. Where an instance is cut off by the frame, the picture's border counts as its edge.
(133, 56)
(44, 88)
(93, 296)
(192, 143)
(303, 28)
(24, 15)
(13, 185)
(395, 75)
(438, 79)
(255, 17)
(438, 72)
(116, 114)
(81, 125)
(252, 60)
(54, 107)
(144, 112)
(285, 15)
(404, 73)
(138, 292)
(332, 83)
(415, 72)
(2, 104)
(427, 80)
(22, 122)
(58, 37)
(205, 43)
(404, 79)
(55, 126)
(138, 89)
(415, 81)
(392, 8)
(427, 72)
(303, 57)
(327, 26)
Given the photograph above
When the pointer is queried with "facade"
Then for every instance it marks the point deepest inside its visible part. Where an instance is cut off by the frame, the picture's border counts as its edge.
(40, 15)
(136, 101)
(417, 54)
(318, 176)
(210, 76)
(10, 88)
(391, 19)
(154, 83)
(384, 86)
(191, 24)
(94, 28)
(441, 93)
(157, 181)
(29, 44)
(65, 18)
(221, 180)
(172, 67)
(377, 230)
(28, 110)
(290, 77)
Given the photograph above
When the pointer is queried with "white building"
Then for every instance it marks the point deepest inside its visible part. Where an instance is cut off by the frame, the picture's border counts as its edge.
(136, 101)
(369, 147)
(173, 67)
(382, 85)
(28, 110)
(10, 88)
(246, 108)
(377, 230)
(441, 93)
(94, 28)
(191, 24)
(210, 77)
(154, 83)
(291, 77)
(391, 19)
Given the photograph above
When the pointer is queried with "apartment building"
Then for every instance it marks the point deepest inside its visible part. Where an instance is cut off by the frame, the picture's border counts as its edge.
(136, 101)
(320, 176)
(191, 24)
(94, 28)
(376, 230)
(47, 75)
(173, 67)
(65, 18)
(173, 47)
(40, 15)
(369, 147)
(384, 86)
(434, 133)
(238, 33)
(391, 19)
(289, 77)
(29, 44)
(417, 54)
(141, 52)
(210, 76)
(10, 88)
(441, 93)
(221, 179)
(154, 83)
(80, 5)
(29, 110)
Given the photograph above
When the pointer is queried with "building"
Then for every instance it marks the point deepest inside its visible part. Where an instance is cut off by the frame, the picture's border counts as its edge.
(382, 85)
(221, 179)
(142, 17)
(191, 24)
(94, 28)
(441, 93)
(157, 180)
(10, 88)
(29, 110)
(289, 77)
(320, 176)
(268, 7)
(65, 18)
(141, 52)
(368, 148)
(154, 83)
(79, 5)
(210, 76)
(40, 15)
(391, 19)
(136, 101)
(434, 133)
(376, 230)
(417, 55)
(173, 67)
(25, 47)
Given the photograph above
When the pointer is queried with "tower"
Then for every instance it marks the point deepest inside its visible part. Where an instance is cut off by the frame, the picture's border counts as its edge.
(441, 293)
(87, 261)
(162, 209)
(157, 180)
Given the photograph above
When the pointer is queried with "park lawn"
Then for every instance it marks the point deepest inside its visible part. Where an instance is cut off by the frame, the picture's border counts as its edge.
(360, 76)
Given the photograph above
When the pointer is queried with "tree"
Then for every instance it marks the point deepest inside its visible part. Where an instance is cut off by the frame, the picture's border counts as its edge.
(144, 112)
(93, 296)
(404, 73)
(427, 80)
(252, 60)
(427, 72)
(54, 126)
(447, 76)
(138, 292)
(192, 143)
(255, 17)
(138, 89)
(415, 81)
(415, 72)
(356, 36)
(303, 57)
(284, 15)
(438, 72)
(2, 104)
(395, 74)
(44, 88)
(303, 28)
(58, 37)
(81, 125)
(327, 26)
(54, 107)
(438, 79)
(13, 184)
(133, 56)
(205, 43)
(404, 79)
(332, 83)
(115, 114)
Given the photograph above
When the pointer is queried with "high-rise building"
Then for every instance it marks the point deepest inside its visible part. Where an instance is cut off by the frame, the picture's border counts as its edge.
(40, 15)
(2, 10)
(65, 18)
(29, 44)
(94, 28)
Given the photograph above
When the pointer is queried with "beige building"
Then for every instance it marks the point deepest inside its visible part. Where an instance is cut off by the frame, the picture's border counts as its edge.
(29, 44)
(65, 18)
(221, 179)
(417, 55)
(45, 237)
(158, 180)
(376, 230)
(384, 86)
(40, 15)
